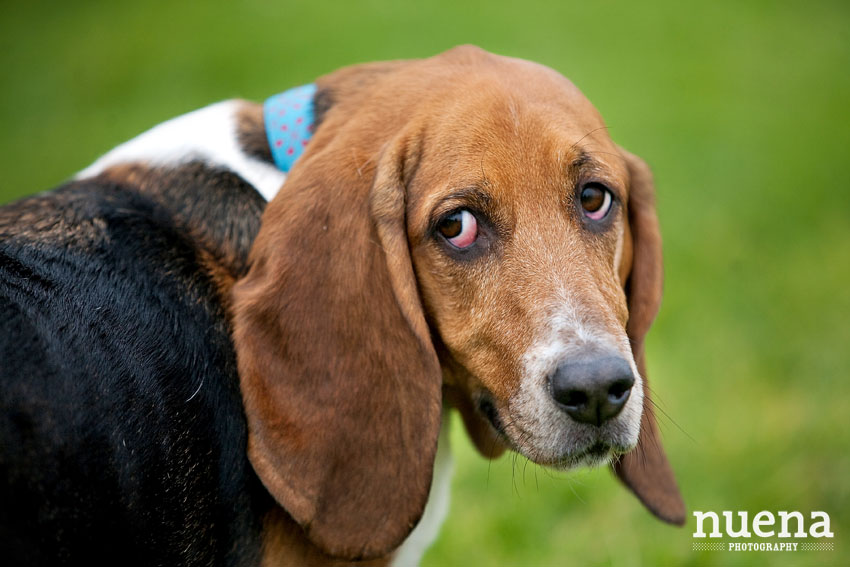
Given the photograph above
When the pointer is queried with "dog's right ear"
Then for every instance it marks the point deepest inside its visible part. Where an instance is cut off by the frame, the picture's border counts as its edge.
(646, 469)
(340, 381)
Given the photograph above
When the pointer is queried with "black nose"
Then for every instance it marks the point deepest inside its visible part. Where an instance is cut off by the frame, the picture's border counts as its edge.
(593, 390)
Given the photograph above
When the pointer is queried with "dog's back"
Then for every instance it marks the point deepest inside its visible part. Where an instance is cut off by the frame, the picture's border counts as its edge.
(115, 368)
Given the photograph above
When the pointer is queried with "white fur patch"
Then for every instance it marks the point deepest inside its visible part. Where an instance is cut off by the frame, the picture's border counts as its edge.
(437, 508)
(207, 135)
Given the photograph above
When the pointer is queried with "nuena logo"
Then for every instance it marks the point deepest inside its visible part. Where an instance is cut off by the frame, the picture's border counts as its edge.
(764, 524)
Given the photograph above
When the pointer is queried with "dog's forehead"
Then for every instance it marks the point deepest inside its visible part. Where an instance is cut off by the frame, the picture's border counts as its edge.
(512, 110)
(513, 142)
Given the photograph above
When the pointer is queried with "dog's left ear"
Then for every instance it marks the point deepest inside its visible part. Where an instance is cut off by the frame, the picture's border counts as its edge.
(646, 470)
(340, 381)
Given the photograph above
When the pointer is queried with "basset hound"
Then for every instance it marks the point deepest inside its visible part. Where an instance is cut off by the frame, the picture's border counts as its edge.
(191, 376)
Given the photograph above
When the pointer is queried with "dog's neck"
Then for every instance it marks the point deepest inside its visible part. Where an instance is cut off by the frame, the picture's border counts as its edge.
(215, 168)
(228, 135)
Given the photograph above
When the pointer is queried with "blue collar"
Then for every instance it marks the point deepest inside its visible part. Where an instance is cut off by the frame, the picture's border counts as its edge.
(288, 118)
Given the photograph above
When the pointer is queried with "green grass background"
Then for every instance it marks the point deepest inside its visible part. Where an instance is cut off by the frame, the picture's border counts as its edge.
(741, 108)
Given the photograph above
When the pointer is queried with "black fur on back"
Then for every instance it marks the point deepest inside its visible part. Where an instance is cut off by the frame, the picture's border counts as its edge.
(122, 434)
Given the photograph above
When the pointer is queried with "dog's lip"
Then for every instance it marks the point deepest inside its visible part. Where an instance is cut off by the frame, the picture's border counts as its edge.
(488, 409)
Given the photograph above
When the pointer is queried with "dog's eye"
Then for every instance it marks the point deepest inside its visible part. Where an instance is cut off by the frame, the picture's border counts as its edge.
(595, 201)
(460, 228)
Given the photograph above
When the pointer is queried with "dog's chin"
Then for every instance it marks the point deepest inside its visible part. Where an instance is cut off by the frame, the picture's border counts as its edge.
(597, 455)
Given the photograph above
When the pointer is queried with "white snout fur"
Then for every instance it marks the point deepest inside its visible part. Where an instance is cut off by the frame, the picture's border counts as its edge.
(539, 427)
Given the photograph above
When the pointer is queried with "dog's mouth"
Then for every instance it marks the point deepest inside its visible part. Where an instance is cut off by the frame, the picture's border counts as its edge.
(488, 410)
(596, 455)
(596, 450)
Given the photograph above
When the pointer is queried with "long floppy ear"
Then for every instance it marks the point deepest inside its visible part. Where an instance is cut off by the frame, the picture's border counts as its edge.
(340, 381)
(646, 469)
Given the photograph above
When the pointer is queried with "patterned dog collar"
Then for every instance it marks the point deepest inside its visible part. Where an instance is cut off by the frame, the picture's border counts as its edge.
(288, 118)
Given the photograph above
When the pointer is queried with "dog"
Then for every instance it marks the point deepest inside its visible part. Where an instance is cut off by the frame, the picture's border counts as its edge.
(191, 376)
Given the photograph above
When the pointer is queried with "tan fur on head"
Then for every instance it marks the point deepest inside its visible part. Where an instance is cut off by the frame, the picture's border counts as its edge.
(355, 314)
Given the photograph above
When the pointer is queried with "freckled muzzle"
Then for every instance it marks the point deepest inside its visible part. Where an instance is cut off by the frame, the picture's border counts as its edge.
(576, 405)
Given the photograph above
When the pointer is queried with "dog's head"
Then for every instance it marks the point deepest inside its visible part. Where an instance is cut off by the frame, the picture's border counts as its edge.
(459, 228)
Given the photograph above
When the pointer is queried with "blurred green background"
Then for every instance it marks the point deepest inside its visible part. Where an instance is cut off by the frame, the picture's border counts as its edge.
(741, 108)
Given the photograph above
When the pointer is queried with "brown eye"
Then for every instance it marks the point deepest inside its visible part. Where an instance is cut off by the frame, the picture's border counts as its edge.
(459, 228)
(596, 201)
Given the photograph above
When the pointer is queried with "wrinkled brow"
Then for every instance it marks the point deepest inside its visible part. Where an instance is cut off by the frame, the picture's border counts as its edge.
(581, 161)
(585, 165)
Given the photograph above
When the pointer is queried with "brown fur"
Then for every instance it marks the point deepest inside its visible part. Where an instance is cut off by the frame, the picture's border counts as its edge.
(284, 545)
(353, 317)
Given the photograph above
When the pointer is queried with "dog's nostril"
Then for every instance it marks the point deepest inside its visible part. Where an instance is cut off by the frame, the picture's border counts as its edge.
(593, 390)
(573, 398)
(619, 391)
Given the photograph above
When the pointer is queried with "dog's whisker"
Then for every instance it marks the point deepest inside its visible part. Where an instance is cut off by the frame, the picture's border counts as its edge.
(667, 416)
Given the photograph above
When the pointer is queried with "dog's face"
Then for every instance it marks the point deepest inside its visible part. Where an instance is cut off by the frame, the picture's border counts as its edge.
(460, 230)
(519, 236)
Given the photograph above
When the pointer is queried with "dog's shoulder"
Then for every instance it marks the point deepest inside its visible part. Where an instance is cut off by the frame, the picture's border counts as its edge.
(120, 412)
